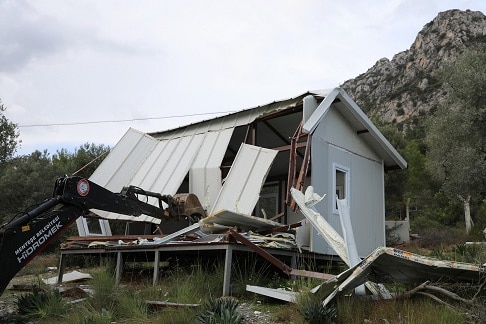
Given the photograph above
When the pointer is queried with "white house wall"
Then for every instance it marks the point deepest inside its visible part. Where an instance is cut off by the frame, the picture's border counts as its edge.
(338, 132)
(334, 142)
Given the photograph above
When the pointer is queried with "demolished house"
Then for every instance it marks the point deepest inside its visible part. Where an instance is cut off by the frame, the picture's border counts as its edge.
(239, 170)
(319, 138)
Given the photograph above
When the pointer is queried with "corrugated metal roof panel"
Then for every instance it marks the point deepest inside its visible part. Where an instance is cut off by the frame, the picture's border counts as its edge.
(243, 117)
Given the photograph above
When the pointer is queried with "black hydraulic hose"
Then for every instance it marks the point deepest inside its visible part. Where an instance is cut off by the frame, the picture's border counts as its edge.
(28, 216)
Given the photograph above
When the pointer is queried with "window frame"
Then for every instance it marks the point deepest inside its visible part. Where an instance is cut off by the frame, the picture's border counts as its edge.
(347, 180)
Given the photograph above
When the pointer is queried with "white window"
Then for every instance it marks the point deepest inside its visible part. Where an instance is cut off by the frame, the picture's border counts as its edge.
(340, 181)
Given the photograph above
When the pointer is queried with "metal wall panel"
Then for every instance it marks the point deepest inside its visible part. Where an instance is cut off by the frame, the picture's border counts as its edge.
(116, 170)
(242, 186)
(366, 196)
(124, 160)
(205, 174)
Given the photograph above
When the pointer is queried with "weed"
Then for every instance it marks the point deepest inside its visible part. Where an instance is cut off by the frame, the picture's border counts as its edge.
(313, 311)
(41, 303)
(131, 305)
(104, 286)
(93, 316)
(438, 252)
(249, 271)
(220, 310)
(194, 284)
(416, 310)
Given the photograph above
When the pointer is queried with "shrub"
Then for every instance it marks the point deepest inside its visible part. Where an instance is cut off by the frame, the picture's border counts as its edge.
(440, 237)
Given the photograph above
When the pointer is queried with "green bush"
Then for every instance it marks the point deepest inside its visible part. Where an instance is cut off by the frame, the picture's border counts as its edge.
(423, 224)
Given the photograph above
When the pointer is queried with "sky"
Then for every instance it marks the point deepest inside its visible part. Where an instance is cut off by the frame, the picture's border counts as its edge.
(85, 71)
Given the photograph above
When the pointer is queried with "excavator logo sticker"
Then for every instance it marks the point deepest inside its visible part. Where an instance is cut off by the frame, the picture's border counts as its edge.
(83, 187)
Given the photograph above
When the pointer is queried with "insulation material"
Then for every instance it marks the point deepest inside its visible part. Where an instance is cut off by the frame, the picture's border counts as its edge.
(242, 186)
(244, 222)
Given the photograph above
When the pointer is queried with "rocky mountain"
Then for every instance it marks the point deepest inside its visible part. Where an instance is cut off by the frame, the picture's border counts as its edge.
(404, 89)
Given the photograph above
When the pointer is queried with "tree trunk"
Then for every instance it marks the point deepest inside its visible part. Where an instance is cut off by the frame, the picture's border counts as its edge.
(407, 210)
(467, 212)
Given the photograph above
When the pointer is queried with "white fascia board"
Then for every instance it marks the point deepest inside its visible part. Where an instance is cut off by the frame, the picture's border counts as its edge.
(359, 116)
(321, 111)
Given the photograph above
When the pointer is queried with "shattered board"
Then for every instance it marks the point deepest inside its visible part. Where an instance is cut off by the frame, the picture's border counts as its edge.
(68, 277)
(389, 264)
(243, 222)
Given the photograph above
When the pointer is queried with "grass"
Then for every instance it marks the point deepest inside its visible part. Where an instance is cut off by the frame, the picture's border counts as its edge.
(419, 310)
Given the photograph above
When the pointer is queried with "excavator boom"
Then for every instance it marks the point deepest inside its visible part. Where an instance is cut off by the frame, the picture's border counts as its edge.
(27, 235)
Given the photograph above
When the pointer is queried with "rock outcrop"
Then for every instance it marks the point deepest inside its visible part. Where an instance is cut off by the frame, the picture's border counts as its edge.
(405, 89)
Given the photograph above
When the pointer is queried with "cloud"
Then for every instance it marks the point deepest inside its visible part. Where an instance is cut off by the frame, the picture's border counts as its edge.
(25, 35)
(74, 61)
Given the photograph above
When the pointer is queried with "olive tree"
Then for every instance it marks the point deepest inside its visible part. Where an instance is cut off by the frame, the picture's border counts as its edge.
(456, 132)
(8, 137)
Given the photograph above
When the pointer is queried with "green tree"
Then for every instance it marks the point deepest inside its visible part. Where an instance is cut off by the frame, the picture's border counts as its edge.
(8, 137)
(456, 132)
(82, 162)
(394, 180)
(29, 179)
(26, 181)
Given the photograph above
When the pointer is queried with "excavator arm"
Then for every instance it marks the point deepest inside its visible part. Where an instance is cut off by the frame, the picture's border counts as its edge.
(26, 236)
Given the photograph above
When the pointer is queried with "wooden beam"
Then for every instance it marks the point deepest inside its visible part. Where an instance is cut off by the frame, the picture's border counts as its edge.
(303, 171)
